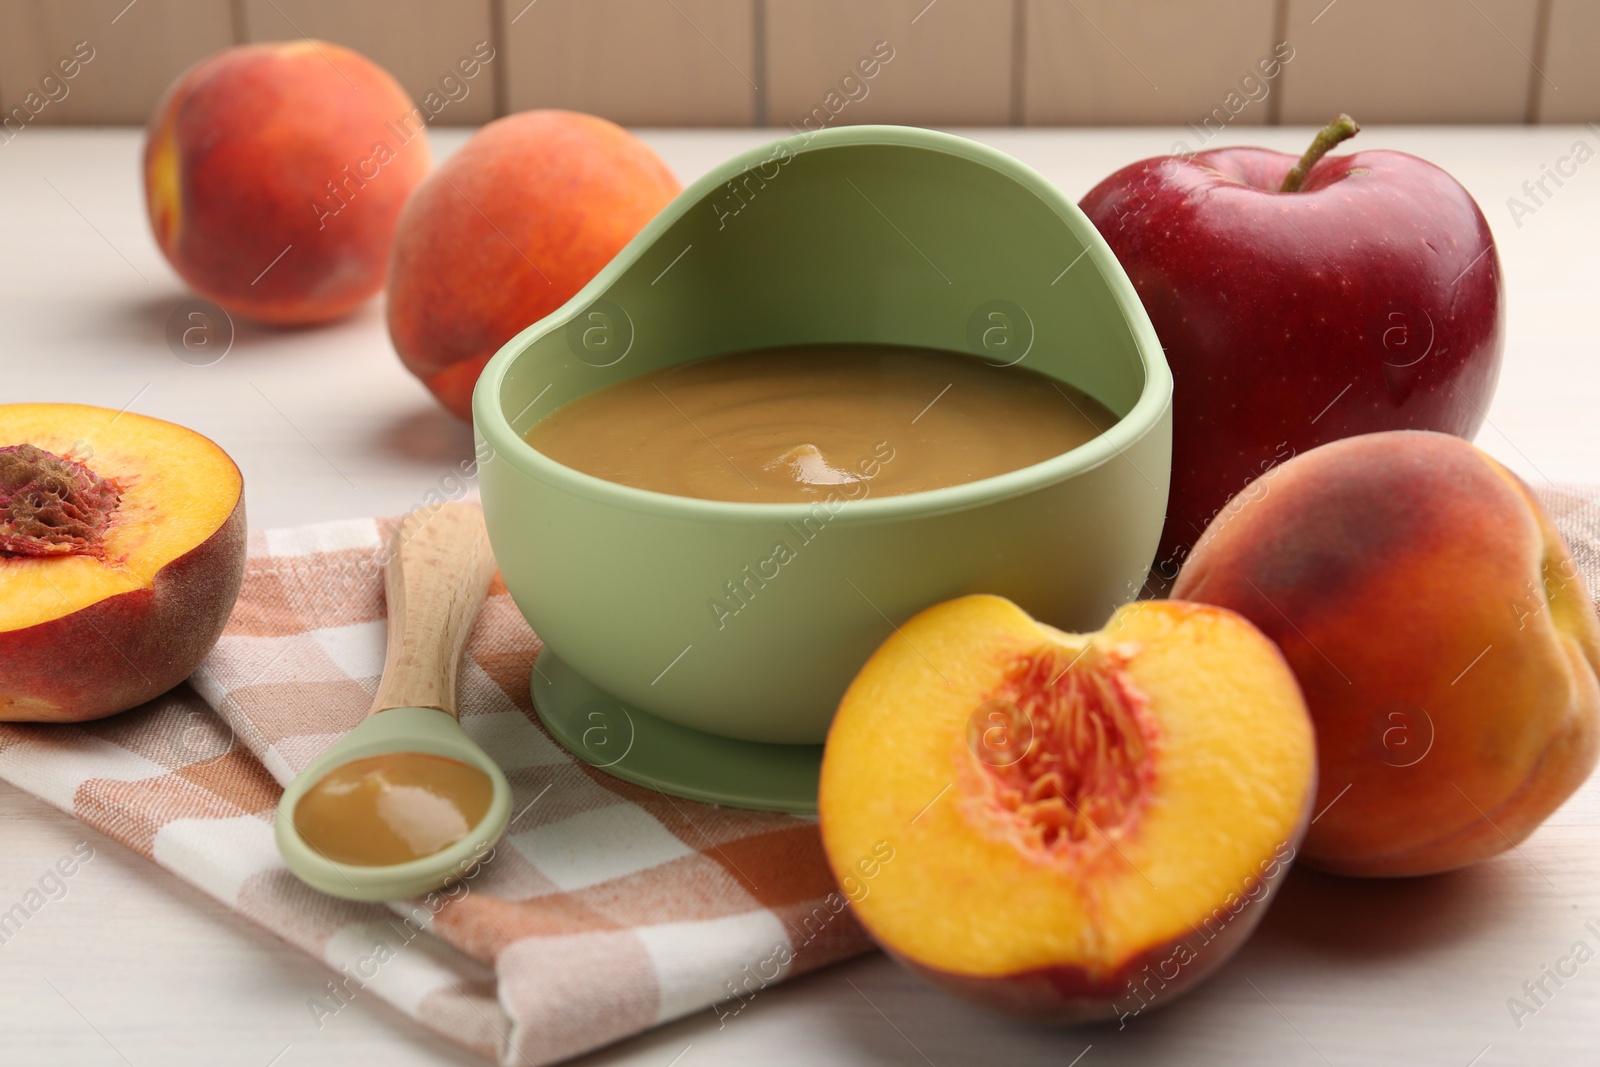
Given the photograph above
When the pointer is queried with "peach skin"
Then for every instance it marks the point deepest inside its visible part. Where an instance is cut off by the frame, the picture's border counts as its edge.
(274, 174)
(1441, 632)
(506, 231)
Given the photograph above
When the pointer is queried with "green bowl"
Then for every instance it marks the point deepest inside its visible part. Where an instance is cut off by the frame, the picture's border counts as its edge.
(861, 234)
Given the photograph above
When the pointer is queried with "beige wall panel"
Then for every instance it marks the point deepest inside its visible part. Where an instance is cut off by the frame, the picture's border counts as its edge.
(1130, 62)
(138, 49)
(1572, 62)
(1412, 61)
(418, 41)
(636, 62)
(950, 62)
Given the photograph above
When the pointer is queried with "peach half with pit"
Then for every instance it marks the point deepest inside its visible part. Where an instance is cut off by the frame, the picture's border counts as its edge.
(122, 547)
(1063, 826)
(1441, 632)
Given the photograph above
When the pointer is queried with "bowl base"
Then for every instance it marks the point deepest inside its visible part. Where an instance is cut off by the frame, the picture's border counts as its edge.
(650, 751)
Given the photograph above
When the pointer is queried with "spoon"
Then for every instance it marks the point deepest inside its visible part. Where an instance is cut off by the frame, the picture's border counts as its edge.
(439, 568)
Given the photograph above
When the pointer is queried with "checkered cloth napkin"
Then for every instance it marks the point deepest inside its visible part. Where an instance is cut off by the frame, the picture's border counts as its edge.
(605, 910)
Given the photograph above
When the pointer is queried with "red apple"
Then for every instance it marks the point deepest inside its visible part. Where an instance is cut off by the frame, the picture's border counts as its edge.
(1300, 302)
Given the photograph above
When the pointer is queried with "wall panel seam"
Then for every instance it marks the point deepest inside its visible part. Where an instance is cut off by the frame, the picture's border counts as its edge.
(1280, 33)
(758, 59)
(1019, 52)
(498, 33)
(1541, 50)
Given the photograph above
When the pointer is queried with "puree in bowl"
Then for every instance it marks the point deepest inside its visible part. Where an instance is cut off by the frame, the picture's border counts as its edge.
(786, 425)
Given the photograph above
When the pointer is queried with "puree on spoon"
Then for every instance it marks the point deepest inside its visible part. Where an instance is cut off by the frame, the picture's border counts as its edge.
(393, 808)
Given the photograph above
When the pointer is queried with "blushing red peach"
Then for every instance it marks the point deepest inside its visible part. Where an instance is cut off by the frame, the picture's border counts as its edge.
(274, 174)
(1441, 632)
(122, 547)
(506, 231)
(1062, 826)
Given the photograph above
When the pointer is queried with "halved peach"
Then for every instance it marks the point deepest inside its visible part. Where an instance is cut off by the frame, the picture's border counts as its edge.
(122, 545)
(1066, 826)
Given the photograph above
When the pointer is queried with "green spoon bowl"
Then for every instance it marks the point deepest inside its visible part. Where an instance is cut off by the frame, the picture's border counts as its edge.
(426, 730)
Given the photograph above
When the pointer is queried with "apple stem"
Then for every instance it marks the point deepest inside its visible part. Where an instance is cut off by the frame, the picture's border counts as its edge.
(1340, 129)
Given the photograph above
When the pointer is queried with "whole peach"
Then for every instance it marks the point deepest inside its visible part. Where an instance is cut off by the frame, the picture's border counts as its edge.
(506, 231)
(1441, 632)
(274, 174)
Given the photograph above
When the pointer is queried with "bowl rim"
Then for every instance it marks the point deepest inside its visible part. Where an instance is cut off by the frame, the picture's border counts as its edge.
(493, 428)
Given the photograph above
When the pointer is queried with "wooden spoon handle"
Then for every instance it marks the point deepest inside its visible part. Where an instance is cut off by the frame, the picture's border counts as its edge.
(439, 569)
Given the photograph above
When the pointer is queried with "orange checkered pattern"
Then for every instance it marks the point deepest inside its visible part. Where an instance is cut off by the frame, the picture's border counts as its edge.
(606, 909)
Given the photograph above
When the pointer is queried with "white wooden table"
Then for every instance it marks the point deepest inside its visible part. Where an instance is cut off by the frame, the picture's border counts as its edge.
(134, 967)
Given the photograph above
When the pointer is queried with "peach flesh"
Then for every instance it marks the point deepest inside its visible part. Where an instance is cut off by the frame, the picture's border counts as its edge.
(1067, 827)
(1063, 750)
(132, 553)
